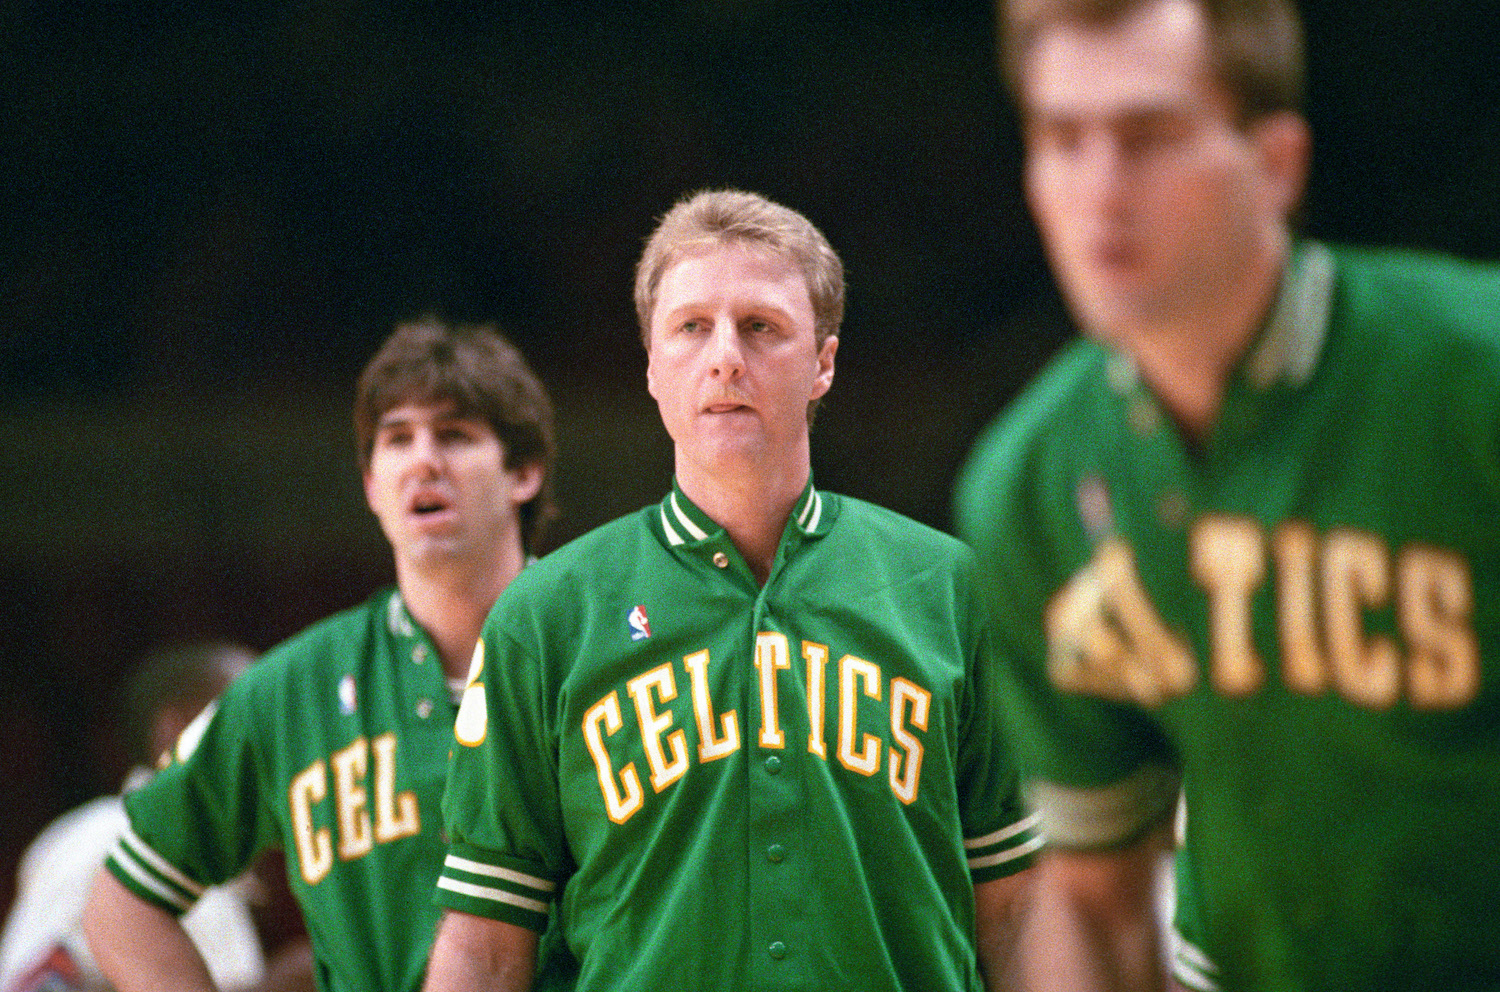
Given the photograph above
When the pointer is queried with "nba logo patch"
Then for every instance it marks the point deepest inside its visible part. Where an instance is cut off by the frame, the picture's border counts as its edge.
(640, 626)
(346, 695)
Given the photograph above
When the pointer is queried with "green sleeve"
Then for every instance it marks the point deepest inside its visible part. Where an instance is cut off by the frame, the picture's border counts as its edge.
(1098, 771)
(200, 820)
(1000, 837)
(502, 808)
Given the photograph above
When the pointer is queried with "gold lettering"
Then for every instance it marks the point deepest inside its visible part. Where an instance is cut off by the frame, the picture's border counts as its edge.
(619, 808)
(654, 724)
(395, 815)
(852, 669)
(1303, 667)
(351, 799)
(906, 774)
(714, 742)
(314, 847)
(1434, 606)
(1105, 638)
(472, 723)
(1355, 578)
(1229, 562)
(816, 656)
(771, 656)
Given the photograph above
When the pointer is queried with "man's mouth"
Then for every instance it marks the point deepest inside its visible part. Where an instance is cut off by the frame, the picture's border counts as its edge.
(425, 505)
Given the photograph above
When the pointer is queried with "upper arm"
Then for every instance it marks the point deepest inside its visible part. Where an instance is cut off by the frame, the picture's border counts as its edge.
(478, 952)
(138, 945)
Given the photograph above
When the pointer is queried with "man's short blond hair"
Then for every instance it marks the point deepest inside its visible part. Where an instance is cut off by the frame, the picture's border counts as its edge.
(722, 217)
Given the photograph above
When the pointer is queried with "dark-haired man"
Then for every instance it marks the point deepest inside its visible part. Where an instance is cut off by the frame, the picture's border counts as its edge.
(334, 748)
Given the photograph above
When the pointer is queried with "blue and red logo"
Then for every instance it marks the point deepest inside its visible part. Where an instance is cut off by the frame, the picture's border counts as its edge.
(640, 626)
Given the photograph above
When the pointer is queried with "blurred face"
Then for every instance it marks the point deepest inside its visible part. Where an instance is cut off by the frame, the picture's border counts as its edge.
(437, 482)
(1150, 197)
(733, 360)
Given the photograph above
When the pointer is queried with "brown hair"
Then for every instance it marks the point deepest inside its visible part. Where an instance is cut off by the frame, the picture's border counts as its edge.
(728, 216)
(430, 359)
(1256, 45)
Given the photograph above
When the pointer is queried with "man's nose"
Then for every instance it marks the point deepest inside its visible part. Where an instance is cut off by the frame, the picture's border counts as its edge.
(427, 454)
(726, 355)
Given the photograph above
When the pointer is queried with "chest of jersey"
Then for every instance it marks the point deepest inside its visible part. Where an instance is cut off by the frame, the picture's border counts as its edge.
(364, 766)
(1291, 551)
(864, 688)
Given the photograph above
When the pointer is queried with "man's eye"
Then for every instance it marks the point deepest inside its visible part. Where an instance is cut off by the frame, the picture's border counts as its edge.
(1057, 136)
(1151, 136)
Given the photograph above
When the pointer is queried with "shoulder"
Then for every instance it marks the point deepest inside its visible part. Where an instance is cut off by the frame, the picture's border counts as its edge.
(1424, 327)
(1419, 297)
(588, 574)
(597, 557)
(871, 552)
(1056, 416)
(886, 533)
(316, 655)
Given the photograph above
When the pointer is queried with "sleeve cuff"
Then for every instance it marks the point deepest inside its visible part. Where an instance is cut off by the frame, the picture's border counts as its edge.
(150, 876)
(1112, 815)
(1006, 851)
(477, 882)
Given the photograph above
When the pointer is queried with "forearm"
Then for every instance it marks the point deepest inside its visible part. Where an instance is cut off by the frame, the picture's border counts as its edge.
(1094, 925)
(472, 953)
(139, 947)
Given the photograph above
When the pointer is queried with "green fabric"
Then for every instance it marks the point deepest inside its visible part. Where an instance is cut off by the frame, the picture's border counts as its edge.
(1342, 821)
(351, 721)
(738, 857)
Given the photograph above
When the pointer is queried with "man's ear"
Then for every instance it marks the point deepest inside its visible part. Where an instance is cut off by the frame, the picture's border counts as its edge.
(526, 481)
(826, 351)
(1284, 142)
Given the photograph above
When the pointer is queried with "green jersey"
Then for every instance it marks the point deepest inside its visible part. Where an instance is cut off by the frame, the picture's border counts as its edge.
(719, 785)
(333, 747)
(1297, 620)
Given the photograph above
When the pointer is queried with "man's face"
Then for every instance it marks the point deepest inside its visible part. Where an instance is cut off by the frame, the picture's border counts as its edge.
(733, 359)
(1149, 196)
(437, 482)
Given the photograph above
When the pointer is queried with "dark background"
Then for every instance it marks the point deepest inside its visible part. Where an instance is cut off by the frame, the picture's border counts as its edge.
(211, 214)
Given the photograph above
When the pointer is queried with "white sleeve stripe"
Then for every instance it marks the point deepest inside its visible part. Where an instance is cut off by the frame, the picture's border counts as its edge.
(694, 531)
(999, 858)
(1190, 953)
(1094, 816)
(480, 868)
(1004, 833)
(1190, 965)
(125, 860)
(1192, 978)
(492, 895)
(131, 842)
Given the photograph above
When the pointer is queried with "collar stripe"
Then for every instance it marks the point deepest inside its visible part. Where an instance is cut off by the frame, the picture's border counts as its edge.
(673, 538)
(683, 523)
(694, 531)
(811, 513)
